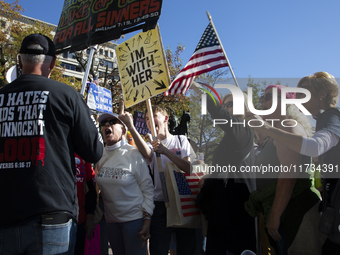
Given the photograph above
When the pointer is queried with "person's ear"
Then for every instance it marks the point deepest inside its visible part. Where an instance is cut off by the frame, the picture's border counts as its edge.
(20, 62)
(322, 94)
(166, 118)
(53, 62)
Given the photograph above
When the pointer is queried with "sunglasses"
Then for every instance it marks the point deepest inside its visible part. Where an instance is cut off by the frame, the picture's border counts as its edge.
(228, 104)
(267, 97)
(111, 122)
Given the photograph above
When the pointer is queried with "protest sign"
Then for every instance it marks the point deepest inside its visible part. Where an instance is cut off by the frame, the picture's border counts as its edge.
(142, 66)
(99, 99)
(89, 22)
(140, 123)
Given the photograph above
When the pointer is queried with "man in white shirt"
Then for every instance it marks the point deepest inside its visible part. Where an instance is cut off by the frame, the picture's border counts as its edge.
(176, 149)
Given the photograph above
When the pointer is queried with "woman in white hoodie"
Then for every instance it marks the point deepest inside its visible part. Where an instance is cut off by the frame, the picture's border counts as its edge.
(127, 190)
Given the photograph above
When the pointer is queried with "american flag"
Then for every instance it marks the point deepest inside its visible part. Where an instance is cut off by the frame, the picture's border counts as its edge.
(207, 57)
(188, 190)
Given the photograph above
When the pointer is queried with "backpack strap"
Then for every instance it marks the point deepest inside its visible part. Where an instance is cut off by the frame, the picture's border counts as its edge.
(180, 141)
(151, 172)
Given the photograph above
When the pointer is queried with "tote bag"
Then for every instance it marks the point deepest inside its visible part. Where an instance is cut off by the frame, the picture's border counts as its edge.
(182, 191)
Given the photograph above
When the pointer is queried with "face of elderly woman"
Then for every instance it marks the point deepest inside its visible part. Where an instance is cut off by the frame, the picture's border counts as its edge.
(113, 131)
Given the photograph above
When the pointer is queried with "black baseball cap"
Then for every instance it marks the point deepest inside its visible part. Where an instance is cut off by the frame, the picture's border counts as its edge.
(42, 40)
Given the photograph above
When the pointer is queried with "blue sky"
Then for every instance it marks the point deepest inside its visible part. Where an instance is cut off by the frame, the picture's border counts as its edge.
(267, 39)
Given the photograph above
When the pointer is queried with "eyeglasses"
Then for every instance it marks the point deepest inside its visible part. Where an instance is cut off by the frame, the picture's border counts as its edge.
(111, 122)
(228, 104)
(267, 97)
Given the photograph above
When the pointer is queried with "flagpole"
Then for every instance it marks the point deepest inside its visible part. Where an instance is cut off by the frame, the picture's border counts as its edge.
(89, 61)
(225, 55)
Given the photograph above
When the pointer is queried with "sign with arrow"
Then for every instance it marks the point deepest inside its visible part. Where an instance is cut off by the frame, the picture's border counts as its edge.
(142, 67)
(99, 99)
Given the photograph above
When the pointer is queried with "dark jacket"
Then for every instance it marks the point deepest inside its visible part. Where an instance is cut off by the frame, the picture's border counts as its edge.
(43, 123)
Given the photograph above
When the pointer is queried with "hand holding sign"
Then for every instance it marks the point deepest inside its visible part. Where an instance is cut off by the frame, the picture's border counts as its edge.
(158, 146)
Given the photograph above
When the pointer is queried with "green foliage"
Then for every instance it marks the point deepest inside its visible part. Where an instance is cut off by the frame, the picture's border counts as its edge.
(201, 130)
(57, 75)
(258, 90)
(13, 31)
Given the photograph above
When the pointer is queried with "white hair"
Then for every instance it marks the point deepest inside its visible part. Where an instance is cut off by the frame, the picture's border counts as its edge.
(29, 59)
(293, 112)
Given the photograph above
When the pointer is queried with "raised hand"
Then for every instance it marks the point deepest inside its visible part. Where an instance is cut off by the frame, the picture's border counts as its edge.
(125, 117)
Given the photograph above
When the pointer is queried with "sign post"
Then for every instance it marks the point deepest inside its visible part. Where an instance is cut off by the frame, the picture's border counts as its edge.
(144, 74)
(88, 66)
(159, 161)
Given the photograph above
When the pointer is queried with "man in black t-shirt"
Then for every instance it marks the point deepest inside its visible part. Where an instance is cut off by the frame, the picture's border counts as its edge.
(42, 124)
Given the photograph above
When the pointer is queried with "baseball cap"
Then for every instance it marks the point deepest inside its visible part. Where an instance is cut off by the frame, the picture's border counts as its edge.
(105, 116)
(42, 40)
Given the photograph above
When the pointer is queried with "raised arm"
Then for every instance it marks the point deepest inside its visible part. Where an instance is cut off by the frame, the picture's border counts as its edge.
(127, 118)
(182, 163)
(216, 111)
(291, 140)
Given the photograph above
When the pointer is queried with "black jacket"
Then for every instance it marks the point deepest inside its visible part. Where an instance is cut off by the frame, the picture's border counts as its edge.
(42, 124)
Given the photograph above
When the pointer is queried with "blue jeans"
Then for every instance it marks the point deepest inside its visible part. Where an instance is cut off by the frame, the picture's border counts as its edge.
(124, 239)
(33, 238)
(161, 235)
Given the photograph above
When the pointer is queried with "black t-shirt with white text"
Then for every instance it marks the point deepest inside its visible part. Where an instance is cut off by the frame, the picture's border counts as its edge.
(42, 124)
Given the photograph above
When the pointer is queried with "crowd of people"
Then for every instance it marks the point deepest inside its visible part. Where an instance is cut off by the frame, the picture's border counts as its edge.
(312, 234)
(291, 217)
(49, 138)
